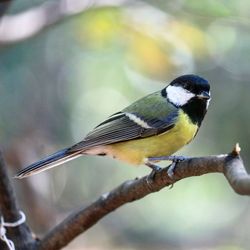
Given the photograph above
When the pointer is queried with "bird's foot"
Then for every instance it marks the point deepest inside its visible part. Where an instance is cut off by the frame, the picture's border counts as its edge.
(170, 170)
(151, 176)
(174, 158)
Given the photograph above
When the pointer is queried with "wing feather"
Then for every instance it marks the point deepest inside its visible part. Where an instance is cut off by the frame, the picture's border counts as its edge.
(120, 127)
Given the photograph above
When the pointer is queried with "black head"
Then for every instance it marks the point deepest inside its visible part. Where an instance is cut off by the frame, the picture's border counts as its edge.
(190, 93)
(193, 83)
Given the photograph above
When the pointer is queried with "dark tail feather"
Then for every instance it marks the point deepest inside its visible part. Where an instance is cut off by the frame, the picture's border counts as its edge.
(51, 161)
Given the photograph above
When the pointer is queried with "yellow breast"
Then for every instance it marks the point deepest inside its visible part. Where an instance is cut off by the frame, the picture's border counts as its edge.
(165, 144)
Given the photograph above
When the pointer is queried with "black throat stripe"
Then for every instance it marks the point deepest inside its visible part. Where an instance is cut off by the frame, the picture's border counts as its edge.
(196, 110)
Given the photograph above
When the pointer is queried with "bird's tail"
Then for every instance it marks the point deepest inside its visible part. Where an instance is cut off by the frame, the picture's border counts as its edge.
(51, 161)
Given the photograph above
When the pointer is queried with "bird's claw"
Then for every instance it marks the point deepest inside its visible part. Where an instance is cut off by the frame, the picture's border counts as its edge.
(175, 160)
(153, 172)
(151, 176)
(170, 170)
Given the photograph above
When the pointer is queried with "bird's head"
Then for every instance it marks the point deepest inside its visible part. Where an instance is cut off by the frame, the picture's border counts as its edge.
(187, 88)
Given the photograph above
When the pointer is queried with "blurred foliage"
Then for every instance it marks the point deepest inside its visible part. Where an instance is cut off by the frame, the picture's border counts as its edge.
(58, 85)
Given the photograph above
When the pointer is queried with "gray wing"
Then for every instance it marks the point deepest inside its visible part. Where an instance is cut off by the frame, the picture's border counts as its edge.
(120, 127)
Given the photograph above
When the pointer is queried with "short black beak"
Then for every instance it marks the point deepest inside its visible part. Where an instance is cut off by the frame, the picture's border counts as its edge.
(204, 95)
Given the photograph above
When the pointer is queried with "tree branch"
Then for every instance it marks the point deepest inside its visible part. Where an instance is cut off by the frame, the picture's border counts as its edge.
(20, 235)
(236, 173)
(19, 27)
(231, 165)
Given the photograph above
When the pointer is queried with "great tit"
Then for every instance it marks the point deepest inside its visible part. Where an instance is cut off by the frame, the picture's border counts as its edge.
(153, 127)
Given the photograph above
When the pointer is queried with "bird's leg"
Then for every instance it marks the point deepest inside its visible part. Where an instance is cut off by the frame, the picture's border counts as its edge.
(174, 158)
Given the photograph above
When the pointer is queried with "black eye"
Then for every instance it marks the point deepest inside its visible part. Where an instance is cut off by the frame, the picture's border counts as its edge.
(186, 86)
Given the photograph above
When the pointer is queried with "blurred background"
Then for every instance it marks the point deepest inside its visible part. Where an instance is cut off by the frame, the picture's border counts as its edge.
(66, 65)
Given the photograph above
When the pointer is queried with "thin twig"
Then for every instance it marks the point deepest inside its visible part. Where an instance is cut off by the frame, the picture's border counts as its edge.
(231, 165)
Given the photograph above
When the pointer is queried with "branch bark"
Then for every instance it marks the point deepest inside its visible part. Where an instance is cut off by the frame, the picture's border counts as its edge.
(231, 165)
(20, 235)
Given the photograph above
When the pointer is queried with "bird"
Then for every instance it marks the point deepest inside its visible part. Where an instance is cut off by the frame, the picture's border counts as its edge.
(149, 130)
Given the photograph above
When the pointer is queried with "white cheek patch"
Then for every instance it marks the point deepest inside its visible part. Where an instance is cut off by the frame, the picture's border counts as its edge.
(178, 95)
